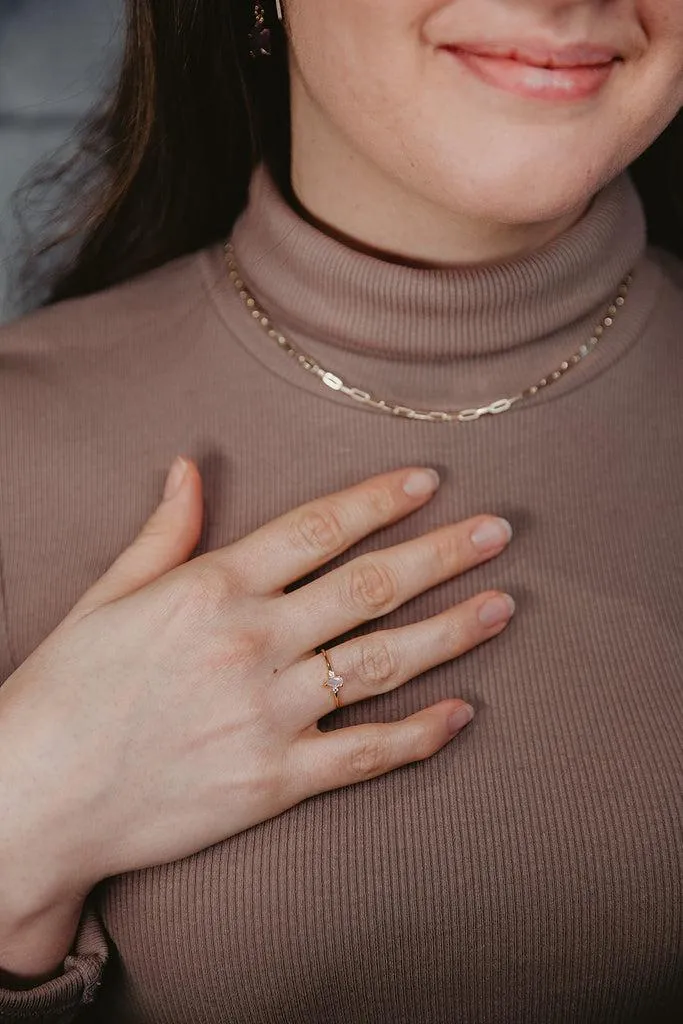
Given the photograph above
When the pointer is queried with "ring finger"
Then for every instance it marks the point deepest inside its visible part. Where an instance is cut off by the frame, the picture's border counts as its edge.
(381, 661)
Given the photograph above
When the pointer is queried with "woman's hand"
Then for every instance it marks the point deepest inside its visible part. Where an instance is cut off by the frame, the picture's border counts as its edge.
(177, 703)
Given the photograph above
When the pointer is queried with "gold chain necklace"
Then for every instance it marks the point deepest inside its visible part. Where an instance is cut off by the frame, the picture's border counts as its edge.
(335, 383)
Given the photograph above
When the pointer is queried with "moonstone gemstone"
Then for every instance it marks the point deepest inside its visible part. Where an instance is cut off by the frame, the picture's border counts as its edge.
(334, 682)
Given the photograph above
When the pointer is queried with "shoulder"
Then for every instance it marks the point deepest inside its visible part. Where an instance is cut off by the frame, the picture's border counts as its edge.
(107, 318)
(84, 374)
(79, 354)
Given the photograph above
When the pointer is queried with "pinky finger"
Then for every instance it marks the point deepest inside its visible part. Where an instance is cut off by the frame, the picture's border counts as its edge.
(344, 757)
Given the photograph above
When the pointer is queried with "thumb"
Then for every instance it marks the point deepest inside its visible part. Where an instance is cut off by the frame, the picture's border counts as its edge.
(166, 541)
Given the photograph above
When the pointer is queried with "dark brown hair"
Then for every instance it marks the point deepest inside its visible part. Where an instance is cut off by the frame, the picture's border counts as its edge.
(164, 168)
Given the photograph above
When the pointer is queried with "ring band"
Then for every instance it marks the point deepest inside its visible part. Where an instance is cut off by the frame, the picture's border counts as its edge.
(334, 682)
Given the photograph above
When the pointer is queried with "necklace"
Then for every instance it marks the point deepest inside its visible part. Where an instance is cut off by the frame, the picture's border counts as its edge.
(336, 383)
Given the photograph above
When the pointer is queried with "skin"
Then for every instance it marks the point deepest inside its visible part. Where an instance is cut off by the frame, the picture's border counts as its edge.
(400, 148)
(167, 734)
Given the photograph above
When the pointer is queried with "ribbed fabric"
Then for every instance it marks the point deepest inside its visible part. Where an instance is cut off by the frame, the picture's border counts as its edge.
(445, 337)
(60, 1001)
(531, 871)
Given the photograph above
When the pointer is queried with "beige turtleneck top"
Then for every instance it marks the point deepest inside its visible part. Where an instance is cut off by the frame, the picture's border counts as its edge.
(528, 873)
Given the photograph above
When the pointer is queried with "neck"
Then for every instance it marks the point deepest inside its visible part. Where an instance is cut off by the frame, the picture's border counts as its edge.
(438, 338)
(357, 202)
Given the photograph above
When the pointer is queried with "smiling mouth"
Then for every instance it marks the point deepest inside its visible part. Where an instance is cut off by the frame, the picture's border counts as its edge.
(543, 54)
(539, 72)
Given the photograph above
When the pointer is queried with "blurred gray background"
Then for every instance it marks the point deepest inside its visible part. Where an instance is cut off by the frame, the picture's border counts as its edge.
(56, 59)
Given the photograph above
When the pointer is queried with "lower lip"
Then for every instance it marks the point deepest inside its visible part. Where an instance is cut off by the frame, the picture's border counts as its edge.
(514, 76)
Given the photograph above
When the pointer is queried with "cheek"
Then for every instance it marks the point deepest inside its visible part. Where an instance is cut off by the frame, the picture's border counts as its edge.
(660, 18)
(662, 21)
(359, 61)
(655, 93)
(357, 48)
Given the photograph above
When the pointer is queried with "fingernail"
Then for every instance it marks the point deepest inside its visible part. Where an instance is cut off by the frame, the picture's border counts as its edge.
(421, 483)
(497, 610)
(492, 534)
(459, 719)
(174, 480)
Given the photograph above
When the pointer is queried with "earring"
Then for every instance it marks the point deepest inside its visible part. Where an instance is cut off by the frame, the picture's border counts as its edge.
(259, 37)
(278, 8)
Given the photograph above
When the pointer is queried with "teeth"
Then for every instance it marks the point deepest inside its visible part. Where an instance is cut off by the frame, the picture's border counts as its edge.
(538, 77)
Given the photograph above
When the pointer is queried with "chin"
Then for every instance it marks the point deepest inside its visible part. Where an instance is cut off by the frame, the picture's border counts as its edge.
(542, 193)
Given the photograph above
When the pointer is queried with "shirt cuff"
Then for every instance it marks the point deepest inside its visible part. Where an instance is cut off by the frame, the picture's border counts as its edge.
(60, 1000)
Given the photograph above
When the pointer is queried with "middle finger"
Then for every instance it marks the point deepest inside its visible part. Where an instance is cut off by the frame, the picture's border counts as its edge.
(379, 662)
(374, 584)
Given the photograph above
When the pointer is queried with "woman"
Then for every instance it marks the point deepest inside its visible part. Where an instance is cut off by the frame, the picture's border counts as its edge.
(448, 268)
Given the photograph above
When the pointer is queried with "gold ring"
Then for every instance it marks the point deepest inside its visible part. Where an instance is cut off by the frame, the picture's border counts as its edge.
(334, 682)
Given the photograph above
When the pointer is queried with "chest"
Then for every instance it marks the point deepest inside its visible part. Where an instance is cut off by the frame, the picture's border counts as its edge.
(526, 872)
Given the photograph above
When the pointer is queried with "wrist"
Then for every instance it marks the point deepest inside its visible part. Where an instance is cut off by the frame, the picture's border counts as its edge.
(44, 856)
(35, 937)
(41, 896)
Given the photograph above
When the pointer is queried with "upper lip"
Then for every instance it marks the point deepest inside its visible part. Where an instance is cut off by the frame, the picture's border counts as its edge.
(542, 55)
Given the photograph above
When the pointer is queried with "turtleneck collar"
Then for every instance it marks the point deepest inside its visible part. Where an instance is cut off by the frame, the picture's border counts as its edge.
(456, 335)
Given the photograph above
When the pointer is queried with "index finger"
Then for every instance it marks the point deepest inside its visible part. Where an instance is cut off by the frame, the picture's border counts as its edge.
(300, 541)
